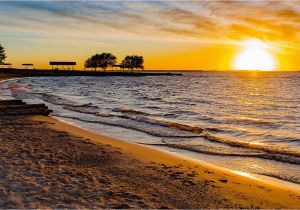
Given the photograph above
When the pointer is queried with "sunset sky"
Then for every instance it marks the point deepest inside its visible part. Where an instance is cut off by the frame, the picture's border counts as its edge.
(169, 34)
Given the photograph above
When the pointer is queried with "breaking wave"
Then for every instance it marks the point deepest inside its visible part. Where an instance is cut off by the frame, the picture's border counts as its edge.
(165, 129)
(130, 111)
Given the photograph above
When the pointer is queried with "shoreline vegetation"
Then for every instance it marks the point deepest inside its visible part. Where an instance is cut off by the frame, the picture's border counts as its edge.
(131, 65)
(46, 163)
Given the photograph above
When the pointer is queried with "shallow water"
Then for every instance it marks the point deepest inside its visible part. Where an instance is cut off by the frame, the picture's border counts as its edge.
(248, 121)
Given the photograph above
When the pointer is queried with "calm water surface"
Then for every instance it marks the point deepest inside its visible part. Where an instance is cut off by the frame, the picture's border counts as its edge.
(246, 121)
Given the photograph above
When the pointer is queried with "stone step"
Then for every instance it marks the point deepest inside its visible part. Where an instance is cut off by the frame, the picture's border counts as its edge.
(44, 112)
(18, 107)
(11, 102)
(23, 106)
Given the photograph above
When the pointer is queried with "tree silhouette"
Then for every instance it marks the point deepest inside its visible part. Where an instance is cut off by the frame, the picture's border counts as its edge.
(91, 63)
(103, 61)
(2, 54)
(107, 60)
(133, 62)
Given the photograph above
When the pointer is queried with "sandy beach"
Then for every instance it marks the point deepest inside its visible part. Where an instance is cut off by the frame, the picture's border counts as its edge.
(48, 164)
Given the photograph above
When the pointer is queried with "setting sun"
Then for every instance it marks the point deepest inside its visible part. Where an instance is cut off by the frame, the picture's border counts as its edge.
(255, 56)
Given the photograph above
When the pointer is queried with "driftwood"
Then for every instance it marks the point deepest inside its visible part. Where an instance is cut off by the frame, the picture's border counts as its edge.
(18, 107)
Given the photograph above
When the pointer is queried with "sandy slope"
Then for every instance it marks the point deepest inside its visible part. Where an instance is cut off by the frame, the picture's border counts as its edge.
(43, 167)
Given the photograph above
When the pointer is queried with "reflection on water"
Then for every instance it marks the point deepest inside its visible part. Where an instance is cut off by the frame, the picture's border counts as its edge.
(244, 120)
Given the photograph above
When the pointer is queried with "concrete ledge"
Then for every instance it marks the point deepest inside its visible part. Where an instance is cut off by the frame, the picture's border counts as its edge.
(18, 107)
(11, 102)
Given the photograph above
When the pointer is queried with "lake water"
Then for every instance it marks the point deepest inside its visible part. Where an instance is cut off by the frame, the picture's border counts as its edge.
(248, 121)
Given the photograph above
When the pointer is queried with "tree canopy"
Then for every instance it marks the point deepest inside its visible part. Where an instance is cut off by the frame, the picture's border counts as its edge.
(133, 62)
(2, 54)
(103, 61)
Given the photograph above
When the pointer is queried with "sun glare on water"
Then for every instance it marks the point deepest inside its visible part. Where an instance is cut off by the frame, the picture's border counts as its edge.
(255, 56)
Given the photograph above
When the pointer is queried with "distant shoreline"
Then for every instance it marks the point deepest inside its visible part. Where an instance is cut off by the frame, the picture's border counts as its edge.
(43, 73)
(51, 72)
(232, 71)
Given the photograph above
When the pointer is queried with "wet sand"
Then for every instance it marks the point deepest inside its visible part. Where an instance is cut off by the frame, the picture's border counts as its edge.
(48, 164)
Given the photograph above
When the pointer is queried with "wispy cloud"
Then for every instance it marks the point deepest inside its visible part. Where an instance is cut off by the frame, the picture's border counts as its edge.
(194, 20)
(185, 23)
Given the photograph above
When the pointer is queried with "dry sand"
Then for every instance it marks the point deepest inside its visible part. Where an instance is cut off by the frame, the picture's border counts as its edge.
(46, 163)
